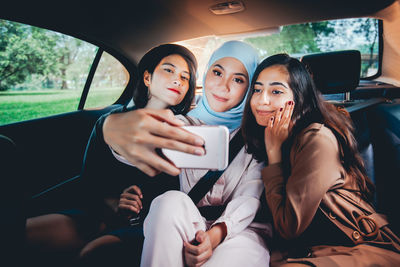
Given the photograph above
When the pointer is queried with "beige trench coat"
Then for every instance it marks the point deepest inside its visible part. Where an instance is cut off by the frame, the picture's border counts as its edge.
(318, 184)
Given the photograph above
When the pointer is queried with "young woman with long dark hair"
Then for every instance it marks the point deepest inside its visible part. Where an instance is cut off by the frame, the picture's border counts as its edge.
(179, 232)
(315, 183)
(166, 80)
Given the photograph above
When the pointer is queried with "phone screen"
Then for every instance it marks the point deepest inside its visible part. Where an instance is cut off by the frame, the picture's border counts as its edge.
(216, 145)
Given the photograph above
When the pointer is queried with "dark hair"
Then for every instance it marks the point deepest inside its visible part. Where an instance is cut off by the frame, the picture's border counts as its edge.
(309, 108)
(150, 61)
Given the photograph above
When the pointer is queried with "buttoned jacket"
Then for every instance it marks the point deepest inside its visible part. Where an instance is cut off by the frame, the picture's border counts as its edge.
(318, 184)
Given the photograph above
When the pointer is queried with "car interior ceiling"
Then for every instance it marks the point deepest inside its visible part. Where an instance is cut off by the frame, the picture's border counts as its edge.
(119, 25)
(377, 122)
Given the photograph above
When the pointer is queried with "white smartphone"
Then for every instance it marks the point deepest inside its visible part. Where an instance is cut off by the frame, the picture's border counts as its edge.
(216, 145)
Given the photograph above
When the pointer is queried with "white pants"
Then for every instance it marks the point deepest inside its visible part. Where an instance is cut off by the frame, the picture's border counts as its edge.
(173, 219)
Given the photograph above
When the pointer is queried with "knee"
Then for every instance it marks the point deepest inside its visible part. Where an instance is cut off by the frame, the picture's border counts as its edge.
(99, 245)
(47, 225)
(172, 197)
(169, 205)
(53, 231)
(106, 250)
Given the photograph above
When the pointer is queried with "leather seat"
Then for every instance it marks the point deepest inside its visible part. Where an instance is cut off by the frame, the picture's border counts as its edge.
(13, 202)
(376, 121)
(339, 73)
(334, 72)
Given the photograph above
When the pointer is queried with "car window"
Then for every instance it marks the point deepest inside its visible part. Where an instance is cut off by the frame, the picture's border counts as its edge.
(297, 40)
(43, 73)
(110, 79)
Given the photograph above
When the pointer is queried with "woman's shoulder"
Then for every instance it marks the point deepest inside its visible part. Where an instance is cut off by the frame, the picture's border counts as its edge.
(318, 129)
(317, 133)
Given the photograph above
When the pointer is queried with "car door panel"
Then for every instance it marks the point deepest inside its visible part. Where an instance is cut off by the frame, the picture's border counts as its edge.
(51, 149)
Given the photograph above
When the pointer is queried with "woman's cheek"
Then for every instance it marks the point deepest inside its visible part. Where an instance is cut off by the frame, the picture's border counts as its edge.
(253, 106)
(279, 103)
(263, 120)
(208, 82)
(241, 92)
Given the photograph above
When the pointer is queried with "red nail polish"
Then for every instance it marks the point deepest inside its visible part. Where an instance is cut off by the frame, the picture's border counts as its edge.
(280, 109)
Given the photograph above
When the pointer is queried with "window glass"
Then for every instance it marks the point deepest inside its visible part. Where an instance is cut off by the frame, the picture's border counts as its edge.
(42, 72)
(108, 83)
(360, 34)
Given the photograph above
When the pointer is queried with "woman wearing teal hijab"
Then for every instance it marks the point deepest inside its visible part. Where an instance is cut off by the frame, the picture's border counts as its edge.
(179, 232)
(136, 135)
(208, 105)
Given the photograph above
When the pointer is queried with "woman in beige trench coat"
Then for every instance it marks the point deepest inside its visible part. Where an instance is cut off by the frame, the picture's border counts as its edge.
(315, 182)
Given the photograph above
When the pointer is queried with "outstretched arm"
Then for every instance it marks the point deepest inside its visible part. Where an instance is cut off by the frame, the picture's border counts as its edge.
(135, 135)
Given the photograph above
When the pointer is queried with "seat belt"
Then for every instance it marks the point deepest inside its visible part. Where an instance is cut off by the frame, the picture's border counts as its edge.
(200, 189)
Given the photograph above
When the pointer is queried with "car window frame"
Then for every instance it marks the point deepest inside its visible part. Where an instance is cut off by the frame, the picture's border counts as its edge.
(380, 52)
(131, 68)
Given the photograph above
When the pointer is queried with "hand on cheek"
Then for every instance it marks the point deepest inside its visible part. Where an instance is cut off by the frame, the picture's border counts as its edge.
(277, 131)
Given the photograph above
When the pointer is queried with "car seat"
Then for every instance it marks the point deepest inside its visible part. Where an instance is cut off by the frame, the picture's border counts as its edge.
(339, 73)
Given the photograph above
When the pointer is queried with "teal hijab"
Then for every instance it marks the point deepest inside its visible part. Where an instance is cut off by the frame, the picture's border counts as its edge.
(233, 117)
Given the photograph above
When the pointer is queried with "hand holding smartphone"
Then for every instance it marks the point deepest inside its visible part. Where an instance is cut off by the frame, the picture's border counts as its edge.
(216, 145)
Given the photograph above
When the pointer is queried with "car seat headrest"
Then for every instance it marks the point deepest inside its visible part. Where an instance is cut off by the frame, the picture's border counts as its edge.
(334, 72)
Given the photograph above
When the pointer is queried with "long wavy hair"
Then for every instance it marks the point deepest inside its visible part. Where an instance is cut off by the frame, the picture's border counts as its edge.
(309, 108)
(149, 62)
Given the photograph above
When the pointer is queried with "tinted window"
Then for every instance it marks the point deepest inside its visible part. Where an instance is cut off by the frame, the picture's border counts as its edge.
(43, 73)
(361, 34)
(109, 81)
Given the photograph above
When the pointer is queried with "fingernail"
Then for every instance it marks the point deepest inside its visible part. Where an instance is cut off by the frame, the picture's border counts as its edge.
(290, 102)
(272, 118)
(280, 109)
(199, 142)
(199, 151)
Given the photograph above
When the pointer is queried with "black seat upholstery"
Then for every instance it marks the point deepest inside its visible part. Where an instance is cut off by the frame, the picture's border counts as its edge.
(385, 135)
(334, 72)
(13, 202)
(376, 121)
(339, 72)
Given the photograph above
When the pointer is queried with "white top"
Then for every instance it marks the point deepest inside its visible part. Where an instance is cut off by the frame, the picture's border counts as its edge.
(239, 187)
